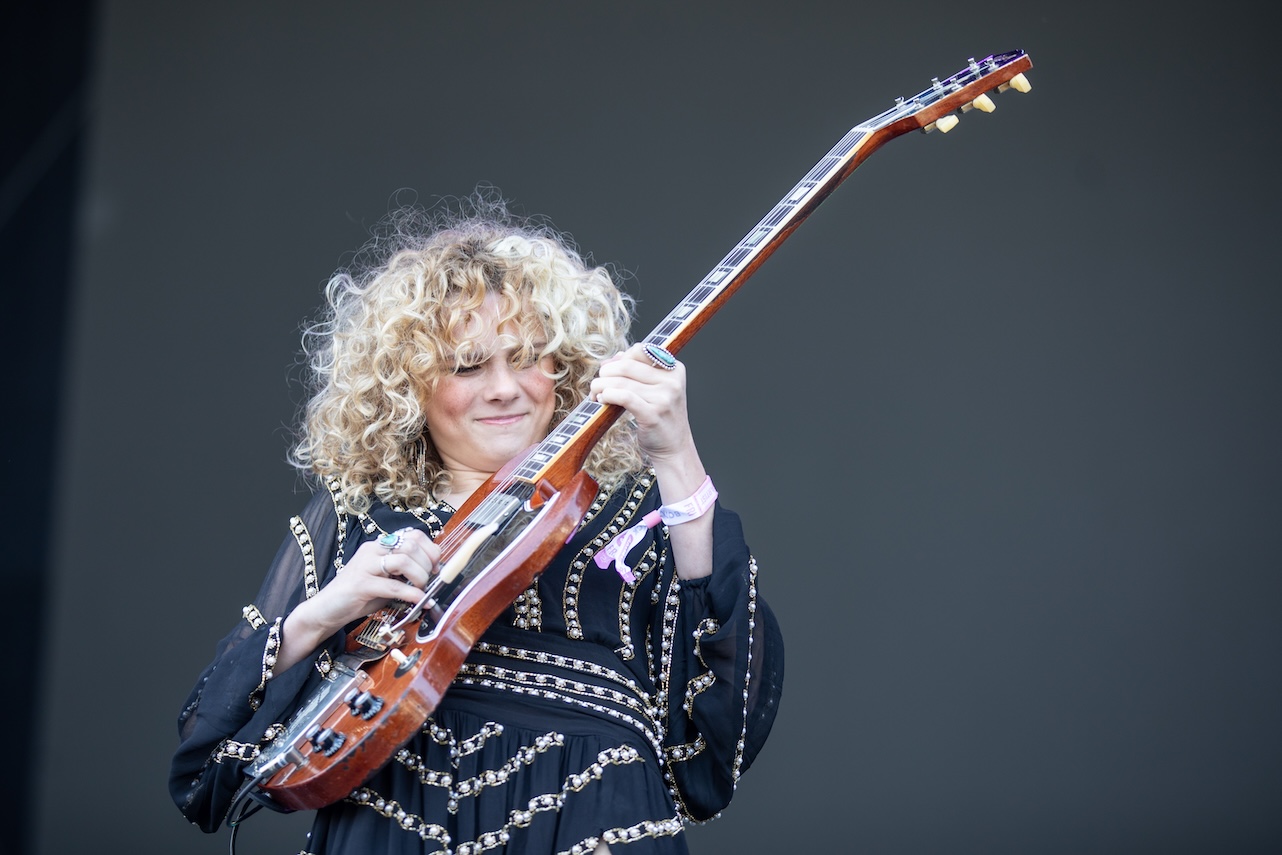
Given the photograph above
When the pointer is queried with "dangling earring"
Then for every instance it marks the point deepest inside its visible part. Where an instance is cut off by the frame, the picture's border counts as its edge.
(421, 448)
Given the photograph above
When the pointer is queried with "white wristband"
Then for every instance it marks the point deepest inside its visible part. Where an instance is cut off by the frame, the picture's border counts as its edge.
(696, 505)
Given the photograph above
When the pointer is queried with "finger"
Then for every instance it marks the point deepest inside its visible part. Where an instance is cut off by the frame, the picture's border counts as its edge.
(657, 356)
(377, 592)
(411, 568)
(423, 553)
(660, 390)
(409, 542)
(396, 589)
(620, 394)
(638, 366)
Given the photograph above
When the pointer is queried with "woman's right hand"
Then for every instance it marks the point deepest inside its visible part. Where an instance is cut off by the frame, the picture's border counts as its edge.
(374, 577)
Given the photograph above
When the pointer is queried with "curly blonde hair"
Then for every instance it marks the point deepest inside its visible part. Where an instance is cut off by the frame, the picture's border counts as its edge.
(390, 329)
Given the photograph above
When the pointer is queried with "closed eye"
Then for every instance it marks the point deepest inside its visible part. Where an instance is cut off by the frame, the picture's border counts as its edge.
(527, 357)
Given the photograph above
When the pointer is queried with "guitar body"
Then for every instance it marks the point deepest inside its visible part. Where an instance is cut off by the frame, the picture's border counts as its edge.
(365, 712)
(400, 661)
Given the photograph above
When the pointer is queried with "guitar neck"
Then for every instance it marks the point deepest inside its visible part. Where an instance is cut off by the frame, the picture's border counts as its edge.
(567, 447)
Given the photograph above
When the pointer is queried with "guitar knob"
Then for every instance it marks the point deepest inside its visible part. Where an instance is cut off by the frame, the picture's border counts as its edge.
(326, 741)
(398, 657)
(364, 705)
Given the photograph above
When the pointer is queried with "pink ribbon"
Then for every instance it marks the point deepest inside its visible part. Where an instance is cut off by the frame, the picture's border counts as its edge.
(617, 549)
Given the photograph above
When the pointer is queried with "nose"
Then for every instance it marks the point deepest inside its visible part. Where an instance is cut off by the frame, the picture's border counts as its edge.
(503, 385)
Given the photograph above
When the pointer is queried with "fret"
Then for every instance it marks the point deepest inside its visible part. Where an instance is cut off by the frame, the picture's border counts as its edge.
(579, 416)
(778, 215)
(800, 191)
(817, 173)
(700, 293)
(757, 237)
(663, 331)
(847, 145)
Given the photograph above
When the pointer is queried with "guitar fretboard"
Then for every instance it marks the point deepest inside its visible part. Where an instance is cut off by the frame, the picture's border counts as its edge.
(574, 425)
(734, 269)
(784, 216)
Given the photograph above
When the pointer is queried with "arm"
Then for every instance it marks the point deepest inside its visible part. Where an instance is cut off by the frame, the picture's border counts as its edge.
(656, 399)
(721, 678)
(273, 659)
(246, 690)
(717, 644)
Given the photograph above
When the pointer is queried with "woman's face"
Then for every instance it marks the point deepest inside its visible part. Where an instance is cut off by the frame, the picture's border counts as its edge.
(483, 415)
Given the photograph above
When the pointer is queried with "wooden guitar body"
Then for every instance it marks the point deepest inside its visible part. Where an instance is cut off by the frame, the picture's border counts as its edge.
(365, 711)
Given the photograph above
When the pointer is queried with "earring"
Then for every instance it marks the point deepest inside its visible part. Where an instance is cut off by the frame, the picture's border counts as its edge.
(421, 448)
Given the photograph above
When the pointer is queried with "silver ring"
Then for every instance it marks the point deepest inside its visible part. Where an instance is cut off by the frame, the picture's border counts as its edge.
(382, 565)
(661, 357)
(389, 540)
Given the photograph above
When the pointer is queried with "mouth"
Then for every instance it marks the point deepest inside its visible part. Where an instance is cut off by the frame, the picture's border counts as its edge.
(502, 421)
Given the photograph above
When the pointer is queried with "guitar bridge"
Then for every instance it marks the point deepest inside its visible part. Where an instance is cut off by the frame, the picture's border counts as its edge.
(387, 636)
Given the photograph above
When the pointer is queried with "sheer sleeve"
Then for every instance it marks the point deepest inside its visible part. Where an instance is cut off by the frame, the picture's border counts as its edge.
(721, 673)
(239, 703)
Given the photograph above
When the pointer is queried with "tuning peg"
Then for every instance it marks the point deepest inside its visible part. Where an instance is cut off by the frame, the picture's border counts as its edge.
(983, 103)
(1019, 83)
(943, 124)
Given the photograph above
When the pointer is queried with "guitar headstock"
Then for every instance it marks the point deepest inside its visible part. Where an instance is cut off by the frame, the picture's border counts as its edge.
(937, 108)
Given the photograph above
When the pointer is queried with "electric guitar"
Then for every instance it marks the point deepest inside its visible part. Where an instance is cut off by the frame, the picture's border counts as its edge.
(400, 661)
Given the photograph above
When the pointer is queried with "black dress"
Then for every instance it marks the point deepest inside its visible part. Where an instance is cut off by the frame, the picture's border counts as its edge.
(593, 710)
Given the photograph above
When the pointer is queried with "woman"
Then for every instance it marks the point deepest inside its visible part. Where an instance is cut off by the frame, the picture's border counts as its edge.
(625, 691)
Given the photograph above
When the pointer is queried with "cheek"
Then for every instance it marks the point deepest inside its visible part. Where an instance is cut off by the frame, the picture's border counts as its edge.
(447, 403)
(542, 389)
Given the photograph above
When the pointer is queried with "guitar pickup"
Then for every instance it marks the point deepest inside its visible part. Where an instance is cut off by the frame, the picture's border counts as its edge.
(497, 509)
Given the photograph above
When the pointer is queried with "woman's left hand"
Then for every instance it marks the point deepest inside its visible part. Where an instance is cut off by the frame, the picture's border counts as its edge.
(656, 398)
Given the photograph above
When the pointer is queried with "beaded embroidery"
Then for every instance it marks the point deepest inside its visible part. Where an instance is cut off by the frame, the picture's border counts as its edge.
(747, 676)
(615, 704)
(253, 616)
(240, 751)
(269, 662)
(684, 751)
(519, 818)
(529, 609)
(569, 662)
(575, 580)
(649, 828)
(304, 538)
(496, 777)
(335, 487)
(626, 596)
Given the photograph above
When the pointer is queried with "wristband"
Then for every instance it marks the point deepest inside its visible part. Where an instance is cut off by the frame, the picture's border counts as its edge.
(686, 510)
(698, 504)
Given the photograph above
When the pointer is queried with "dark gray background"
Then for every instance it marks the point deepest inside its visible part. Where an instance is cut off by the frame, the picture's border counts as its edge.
(1001, 419)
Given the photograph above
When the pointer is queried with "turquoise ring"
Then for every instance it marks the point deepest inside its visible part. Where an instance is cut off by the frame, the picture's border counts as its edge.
(661, 357)
(389, 540)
